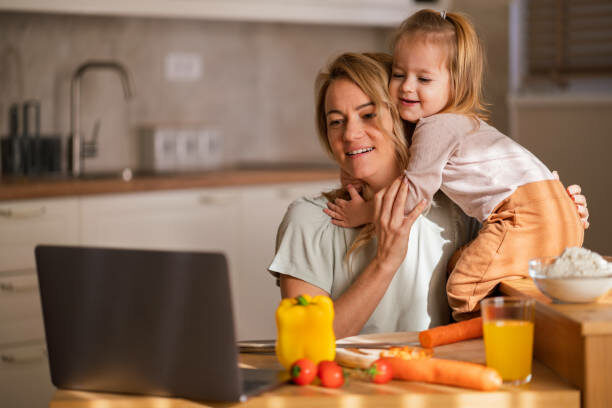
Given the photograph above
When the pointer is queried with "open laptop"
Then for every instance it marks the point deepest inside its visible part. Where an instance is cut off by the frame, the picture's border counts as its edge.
(144, 322)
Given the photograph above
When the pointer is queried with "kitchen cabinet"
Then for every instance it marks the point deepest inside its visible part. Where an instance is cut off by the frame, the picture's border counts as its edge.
(263, 210)
(24, 372)
(190, 220)
(240, 222)
(362, 12)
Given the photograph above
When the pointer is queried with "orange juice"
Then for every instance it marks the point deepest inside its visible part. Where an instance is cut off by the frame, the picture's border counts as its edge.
(509, 348)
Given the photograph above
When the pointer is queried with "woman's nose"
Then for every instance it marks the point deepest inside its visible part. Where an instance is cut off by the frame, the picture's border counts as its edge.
(352, 131)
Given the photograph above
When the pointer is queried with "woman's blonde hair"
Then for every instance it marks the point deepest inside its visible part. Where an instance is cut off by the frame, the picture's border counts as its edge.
(465, 61)
(370, 72)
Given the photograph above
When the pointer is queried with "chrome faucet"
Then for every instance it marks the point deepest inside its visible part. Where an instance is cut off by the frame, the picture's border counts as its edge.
(78, 152)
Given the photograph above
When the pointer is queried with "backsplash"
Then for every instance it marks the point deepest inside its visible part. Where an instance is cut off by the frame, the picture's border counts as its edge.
(256, 84)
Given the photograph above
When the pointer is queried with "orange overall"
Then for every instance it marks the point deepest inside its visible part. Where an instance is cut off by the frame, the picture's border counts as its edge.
(538, 219)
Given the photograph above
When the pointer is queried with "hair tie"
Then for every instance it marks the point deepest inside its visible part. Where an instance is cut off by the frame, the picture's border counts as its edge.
(443, 14)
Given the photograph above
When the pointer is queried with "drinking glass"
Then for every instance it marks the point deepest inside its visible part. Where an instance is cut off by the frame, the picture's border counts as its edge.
(508, 337)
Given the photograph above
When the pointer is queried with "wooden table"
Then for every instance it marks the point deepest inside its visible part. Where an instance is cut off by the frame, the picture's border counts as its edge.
(575, 340)
(546, 389)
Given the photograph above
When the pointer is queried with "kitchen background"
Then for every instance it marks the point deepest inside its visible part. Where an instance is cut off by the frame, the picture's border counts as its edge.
(249, 82)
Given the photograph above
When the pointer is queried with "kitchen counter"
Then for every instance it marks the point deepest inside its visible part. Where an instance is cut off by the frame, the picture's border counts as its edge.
(546, 389)
(574, 340)
(18, 188)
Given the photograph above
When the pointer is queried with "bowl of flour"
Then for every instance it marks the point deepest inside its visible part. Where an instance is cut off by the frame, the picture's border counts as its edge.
(578, 275)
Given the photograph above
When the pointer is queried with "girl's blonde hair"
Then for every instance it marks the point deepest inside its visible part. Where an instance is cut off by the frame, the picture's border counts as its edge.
(466, 61)
(370, 72)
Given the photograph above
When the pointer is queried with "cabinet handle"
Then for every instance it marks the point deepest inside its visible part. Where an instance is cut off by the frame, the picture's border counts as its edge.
(13, 287)
(32, 355)
(216, 200)
(22, 213)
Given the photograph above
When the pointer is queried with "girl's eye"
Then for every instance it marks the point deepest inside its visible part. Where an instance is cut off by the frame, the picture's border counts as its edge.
(424, 80)
(397, 75)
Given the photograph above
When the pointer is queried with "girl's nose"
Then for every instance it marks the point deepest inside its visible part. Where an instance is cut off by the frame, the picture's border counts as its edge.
(407, 85)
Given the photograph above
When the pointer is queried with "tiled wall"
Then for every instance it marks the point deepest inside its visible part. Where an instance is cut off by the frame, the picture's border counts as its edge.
(256, 87)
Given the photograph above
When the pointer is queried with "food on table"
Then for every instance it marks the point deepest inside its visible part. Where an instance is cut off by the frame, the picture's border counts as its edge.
(578, 262)
(330, 374)
(446, 372)
(451, 333)
(303, 371)
(380, 372)
(407, 352)
(509, 345)
(305, 329)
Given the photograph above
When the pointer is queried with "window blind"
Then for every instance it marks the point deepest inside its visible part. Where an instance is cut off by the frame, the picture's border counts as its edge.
(569, 38)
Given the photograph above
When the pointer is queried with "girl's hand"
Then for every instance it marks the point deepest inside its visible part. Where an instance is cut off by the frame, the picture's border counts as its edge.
(579, 200)
(346, 180)
(353, 213)
(392, 226)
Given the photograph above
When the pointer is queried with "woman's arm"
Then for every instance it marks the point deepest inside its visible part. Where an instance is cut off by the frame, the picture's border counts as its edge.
(355, 306)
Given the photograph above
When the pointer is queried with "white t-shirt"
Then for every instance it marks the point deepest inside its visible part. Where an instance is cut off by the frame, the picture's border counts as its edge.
(311, 248)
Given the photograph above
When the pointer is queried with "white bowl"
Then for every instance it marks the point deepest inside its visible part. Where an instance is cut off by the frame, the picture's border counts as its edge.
(566, 289)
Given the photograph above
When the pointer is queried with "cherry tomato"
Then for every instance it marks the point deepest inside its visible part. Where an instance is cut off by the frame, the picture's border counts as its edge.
(303, 371)
(380, 371)
(331, 374)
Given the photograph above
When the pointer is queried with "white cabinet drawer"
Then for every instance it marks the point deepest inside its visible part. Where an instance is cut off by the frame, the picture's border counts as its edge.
(19, 297)
(25, 224)
(22, 330)
(25, 381)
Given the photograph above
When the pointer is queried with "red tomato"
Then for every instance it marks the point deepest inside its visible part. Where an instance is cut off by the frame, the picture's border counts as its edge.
(380, 371)
(331, 374)
(303, 371)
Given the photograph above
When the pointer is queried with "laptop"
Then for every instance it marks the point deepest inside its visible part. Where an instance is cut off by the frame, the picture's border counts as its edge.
(143, 322)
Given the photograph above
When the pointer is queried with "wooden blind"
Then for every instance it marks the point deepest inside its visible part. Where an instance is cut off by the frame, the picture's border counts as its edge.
(567, 38)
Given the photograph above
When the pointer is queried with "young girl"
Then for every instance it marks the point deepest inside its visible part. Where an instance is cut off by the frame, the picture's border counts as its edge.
(436, 82)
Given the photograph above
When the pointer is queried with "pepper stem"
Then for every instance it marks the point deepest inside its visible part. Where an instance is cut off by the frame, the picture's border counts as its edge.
(301, 300)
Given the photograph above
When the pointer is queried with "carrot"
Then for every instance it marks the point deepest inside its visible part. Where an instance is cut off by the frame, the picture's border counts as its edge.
(447, 372)
(451, 333)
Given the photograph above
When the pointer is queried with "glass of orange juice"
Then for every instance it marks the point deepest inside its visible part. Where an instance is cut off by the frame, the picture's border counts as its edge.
(508, 337)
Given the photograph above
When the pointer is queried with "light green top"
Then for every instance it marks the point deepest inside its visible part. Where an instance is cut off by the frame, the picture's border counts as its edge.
(311, 248)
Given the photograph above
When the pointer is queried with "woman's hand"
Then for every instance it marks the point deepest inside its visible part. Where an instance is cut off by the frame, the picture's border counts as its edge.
(580, 201)
(392, 226)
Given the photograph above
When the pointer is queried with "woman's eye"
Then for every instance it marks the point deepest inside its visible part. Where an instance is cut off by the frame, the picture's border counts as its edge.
(369, 115)
(334, 123)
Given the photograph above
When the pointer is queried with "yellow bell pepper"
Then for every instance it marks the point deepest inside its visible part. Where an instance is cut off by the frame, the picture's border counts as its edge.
(305, 329)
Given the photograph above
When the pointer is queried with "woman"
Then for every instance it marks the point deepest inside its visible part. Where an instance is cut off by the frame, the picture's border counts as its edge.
(390, 275)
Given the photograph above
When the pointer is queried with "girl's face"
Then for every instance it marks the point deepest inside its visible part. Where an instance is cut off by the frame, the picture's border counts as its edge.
(420, 80)
(358, 145)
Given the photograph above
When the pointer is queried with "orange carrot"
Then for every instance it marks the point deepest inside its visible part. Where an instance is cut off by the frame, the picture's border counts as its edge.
(447, 372)
(451, 333)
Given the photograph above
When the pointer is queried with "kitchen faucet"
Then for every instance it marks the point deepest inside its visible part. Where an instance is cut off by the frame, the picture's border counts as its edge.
(80, 148)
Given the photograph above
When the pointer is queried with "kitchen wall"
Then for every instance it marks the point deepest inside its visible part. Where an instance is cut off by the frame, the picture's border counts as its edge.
(256, 86)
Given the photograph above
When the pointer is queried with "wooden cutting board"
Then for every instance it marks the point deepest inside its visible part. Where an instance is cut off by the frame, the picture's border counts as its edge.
(469, 350)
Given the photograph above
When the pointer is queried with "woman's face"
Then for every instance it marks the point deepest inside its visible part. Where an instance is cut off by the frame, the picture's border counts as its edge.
(357, 143)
